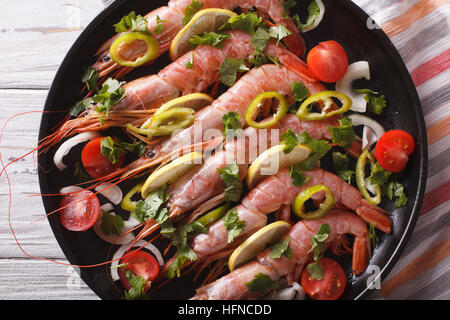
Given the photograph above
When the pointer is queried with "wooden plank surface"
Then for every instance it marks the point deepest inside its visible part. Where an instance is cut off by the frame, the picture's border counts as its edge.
(34, 38)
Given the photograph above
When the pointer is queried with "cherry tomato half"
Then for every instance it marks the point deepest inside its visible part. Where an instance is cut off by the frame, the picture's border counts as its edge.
(330, 287)
(95, 163)
(82, 214)
(142, 264)
(393, 148)
(328, 61)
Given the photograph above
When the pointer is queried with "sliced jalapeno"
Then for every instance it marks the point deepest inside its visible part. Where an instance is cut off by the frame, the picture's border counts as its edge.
(150, 54)
(213, 215)
(128, 204)
(361, 179)
(324, 207)
(257, 103)
(304, 112)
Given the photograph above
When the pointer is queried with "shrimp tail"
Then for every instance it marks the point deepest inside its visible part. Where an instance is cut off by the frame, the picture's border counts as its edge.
(375, 216)
(293, 63)
(361, 254)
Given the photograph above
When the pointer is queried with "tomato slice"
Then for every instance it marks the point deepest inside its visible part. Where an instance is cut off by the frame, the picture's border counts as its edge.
(393, 149)
(95, 163)
(142, 264)
(82, 214)
(330, 287)
(328, 61)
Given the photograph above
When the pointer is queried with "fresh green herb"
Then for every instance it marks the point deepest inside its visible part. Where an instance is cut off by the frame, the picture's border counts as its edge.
(113, 149)
(190, 64)
(137, 285)
(319, 147)
(81, 106)
(247, 22)
(191, 10)
(80, 174)
(344, 135)
(375, 102)
(259, 58)
(389, 186)
(209, 38)
(298, 177)
(299, 90)
(317, 241)
(110, 94)
(280, 249)
(229, 70)
(233, 225)
(153, 207)
(372, 235)
(341, 163)
(289, 140)
(287, 6)
(313, 14)
(159, 28)
(90, 78)
(395, 191)
(233, 185)
(379, 176)
(184, 251)
(232, 127)
(260, 38)
(262, 283)
(132, 23)
(111, 224)
(279, 32)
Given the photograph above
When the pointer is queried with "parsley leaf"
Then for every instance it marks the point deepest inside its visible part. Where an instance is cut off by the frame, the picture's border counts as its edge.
(341, 161)
(109, 95)
(137, 285)
(320, 148)
(111, 224)
(233, 185)
(280, 249)
(344, 135)
(375, 102)
(190, 64)
(262, 283)
(289, 140)
(191, 10)
(379, 176)
(247, 22)
(159, 28)
(260, 38)
(395, 191)
(317, 241)
(232, 127)
(209, 38)
(81, 106)
(233, 225)
(90, 78)
(299, 90)
(279, 32)
(229, 70)
(113, 149)
(298, 178)
(132, 23)
(153, 207)
(315, 270)
(313, 14)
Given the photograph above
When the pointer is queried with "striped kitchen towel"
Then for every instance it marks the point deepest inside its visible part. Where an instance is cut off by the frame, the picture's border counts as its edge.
(420, 31)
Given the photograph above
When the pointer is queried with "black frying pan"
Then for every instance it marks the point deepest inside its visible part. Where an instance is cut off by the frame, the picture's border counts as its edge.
(343, 22)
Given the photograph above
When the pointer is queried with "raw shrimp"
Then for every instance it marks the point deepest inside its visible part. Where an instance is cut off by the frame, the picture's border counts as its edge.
(233, 285)
(172, 16)
(174, 80)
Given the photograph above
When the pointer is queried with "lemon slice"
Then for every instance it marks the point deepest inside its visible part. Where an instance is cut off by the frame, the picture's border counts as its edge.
(170, 172)
(193, 101)
(206, 20)
(257, 242)
(272, 160)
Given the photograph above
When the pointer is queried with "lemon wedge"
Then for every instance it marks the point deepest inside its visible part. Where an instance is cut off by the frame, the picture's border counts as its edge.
(272, 160)
(206, 20)
(194, 101)
(257, 242)
(170, 172)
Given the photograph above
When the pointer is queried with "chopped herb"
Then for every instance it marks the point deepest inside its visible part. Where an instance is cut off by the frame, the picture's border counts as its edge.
(111, 224)
(233, 185)
(137, 285)
(159, 28)
(90, 78)
(259, 58)
(191, 10)
(209, 38)
(190, 64)
(315, 270)
(320, 148)
(299, 90)
(279, 32)
(81, 106)
(317, 241)
(229, 70)
(313, 14)
(153, 207)
(289, 140)
(232, 127)
(287, 6)
(379, 176)
(395, 191)
(260, 38)
(247, 22)
(262, 283)
(184, 251)
(341, 162)
(375, 102)
(233, 225)
(344, 135)
(132, 23)
(113, 149)
(298, 177)
(372, 235)
(110, 94)
(280, 249)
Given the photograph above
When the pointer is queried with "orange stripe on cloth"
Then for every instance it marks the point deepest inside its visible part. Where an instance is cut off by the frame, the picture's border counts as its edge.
(421, 264)
(419, 10)
(438, 130)
(436, 197)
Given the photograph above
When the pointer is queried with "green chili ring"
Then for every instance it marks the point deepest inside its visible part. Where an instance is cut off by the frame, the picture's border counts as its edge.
(305, 114)
(282, 110)
(360, 178)
(150, 54)
(324, 207)
(213, 215)
(127, 204)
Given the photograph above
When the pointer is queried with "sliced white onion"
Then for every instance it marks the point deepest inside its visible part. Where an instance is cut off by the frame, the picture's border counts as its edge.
(65, 148)
(107, 207)
(318, 19)
(70, 189)
(356, 70)
(112, 238)
(121, 251)
(300, 292)
(110, 191)
(372, 130)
